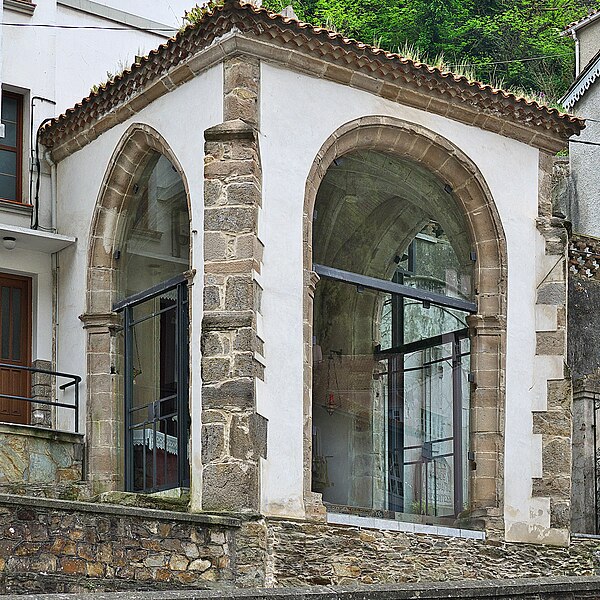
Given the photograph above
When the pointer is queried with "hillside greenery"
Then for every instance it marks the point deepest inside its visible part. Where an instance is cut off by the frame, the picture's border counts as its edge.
(514, 44)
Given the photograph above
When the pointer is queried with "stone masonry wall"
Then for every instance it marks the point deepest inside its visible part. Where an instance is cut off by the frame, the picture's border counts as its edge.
(40, 461)
(317, 554)
(50, 546)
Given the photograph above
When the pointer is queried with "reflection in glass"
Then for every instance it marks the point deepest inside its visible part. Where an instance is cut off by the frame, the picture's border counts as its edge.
(390, 374)
(157, 241)
(154, 398)
(153, 257)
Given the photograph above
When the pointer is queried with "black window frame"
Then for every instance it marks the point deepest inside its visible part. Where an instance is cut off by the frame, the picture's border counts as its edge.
(126, 306)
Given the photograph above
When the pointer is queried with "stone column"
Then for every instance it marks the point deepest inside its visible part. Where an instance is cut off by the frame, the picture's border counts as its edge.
(41, 389)
(104, 414)
(487, 418)
(233, 434)
(586, 397)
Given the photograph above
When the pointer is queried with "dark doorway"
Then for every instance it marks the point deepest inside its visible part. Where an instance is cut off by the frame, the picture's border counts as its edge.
(15, 346)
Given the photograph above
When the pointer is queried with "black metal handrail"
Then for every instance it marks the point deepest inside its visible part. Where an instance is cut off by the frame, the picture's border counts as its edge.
(75, 381)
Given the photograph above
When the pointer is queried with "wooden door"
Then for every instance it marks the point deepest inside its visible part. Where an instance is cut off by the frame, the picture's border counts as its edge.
(15, 347)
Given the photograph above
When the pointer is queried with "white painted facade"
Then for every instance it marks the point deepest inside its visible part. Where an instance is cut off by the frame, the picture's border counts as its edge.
(52, 58)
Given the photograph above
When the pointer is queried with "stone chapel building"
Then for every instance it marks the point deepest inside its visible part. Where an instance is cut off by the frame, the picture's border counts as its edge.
(321, 287)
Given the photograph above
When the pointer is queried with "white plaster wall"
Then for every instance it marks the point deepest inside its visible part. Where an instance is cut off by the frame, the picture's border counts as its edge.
(584, 202)
(181, 117)
(85, 56)
(298, 113)
(169, 12)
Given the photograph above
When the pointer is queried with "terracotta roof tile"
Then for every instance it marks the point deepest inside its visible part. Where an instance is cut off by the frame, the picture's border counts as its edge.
(316, 41)
(592, 13)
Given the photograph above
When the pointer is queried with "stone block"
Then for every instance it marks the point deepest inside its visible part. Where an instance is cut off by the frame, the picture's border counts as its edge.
(241, 72)
(248, 437)
(212, 344)
(212, 298)
(215, 370)
(244, 339)
(241, 104)
(243, 193)
(235, 220)
(551, 343)
(556, 455)
(552, 293)
(230, 487)
(238, 394)
(213, 442)
(239, 293)
(213, 193)
(554, 423)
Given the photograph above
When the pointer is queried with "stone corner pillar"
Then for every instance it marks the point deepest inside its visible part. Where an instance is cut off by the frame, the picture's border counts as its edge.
(234, 435)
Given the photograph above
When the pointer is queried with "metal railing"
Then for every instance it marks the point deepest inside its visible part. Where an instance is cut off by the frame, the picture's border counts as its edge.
(75, 380)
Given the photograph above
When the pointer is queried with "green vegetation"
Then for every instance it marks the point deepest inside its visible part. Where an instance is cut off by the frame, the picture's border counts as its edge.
(507, 43)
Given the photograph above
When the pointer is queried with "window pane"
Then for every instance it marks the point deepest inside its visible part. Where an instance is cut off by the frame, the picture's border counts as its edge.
(5, 316)
(16, 324)
(384, 422)
(9, 108)
(8, 163)
(10, 135)
(8, 187)
(376, 213)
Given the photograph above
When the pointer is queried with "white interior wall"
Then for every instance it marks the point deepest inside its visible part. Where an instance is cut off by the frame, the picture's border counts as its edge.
(308, 110)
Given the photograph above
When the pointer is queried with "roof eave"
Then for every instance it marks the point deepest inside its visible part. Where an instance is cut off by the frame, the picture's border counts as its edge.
(338, 59)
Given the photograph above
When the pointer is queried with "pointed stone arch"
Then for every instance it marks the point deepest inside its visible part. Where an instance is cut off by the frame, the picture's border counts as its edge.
(453, 167)
(104, 421)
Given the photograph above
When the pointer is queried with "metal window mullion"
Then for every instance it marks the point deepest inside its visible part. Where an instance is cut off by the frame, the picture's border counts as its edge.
(181, 362)
(457, 426)
(128, 390)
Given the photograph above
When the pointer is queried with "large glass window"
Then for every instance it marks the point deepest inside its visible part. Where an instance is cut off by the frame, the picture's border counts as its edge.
(391, 350)
(153, 259)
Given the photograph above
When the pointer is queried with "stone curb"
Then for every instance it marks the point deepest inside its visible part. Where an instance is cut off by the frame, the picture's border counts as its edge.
(552, 588)
(118, 510)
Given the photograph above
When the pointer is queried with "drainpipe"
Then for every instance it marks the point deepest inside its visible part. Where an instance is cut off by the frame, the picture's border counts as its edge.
(48, 158)
(55, 269)
(577, 61)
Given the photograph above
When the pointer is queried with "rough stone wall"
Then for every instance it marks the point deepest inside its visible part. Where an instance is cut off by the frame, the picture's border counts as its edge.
(233, 434)
(317, 554)
(552, 410)
(42, 461)
(59, 546)
(584, 362)
(49, 546)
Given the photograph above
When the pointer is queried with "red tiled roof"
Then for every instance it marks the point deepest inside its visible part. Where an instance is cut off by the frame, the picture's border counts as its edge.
(318, 43)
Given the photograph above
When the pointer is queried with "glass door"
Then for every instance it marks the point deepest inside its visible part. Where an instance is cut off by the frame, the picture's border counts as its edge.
(156, 389)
